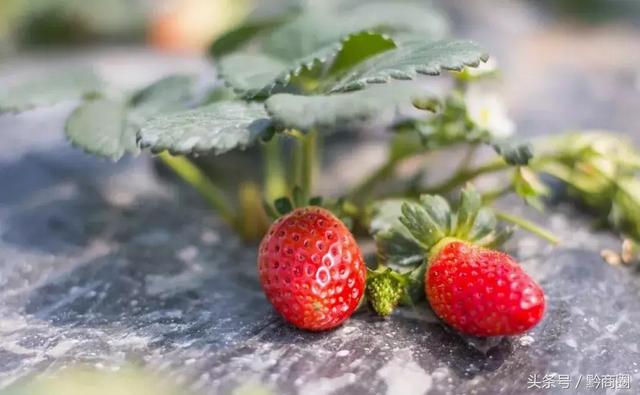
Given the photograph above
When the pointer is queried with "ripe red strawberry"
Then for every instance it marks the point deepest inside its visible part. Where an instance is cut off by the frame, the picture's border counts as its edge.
(470, 286)
(311, 269)
(482, 292)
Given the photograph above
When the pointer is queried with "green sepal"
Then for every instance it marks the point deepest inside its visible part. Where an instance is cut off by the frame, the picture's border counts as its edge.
(421, 224)
(283, 205)
(270, 210)
(406, 231)
(470, 204)
(315, 201)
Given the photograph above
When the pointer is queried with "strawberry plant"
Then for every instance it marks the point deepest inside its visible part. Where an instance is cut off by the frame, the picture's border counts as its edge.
(287, 86)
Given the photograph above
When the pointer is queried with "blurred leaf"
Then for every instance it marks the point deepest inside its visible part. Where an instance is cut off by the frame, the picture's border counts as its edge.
(258, 75)
(625, 211)
(306, 34)
(49, 90)
(220, 93)
(218, 127)
(234, 39)
(100, 127)
(107, 127)
(251, 75)
(417, 56)
(600, 170)
(169, 94)
(319, 27)
(530, 187)
(513, 152)
(342, 110)
(394, 17)
(358, 47)
(405, 144)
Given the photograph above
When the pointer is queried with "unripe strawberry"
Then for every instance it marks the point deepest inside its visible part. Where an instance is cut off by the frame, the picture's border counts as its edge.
(385, 290)
(481, 292)
(311, 269)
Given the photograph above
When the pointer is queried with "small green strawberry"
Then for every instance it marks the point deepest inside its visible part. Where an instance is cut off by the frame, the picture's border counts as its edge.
(385, 290)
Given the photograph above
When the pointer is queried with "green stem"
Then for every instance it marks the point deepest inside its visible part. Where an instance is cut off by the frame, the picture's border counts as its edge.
(469, 154)
(464, 175)
(310, 162)
(529, 226)
(191, 174)
(494, 194)
(382, 173)
(305, 162)
(275, 184)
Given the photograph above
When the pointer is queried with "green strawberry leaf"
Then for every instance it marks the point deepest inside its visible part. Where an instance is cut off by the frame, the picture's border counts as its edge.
(218, 127)
(399, 17)
(319, 27)
(235, 38)
(342, 110)
(100, 126)
(358, 47)
(49, 90)
(416, 56)
(252, 75)
(169, 94)
(306, 34)
(220, 93)
(530, 187)
(514, 153)
(260, 74)
(107, 127)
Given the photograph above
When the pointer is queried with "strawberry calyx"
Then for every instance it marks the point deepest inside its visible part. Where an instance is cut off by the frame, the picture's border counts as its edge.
(433, 223)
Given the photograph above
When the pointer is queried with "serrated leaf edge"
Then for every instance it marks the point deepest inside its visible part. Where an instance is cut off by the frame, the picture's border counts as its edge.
(403, 76)
(125, 125)
(317, 58)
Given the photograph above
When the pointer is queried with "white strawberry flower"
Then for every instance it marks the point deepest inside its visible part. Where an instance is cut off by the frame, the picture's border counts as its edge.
(488, 112)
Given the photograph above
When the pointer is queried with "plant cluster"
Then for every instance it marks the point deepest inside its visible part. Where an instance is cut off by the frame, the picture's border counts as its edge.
(290, 84)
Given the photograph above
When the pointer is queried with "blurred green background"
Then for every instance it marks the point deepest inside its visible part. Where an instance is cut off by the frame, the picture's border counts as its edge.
(189, 25)
(176, 25)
